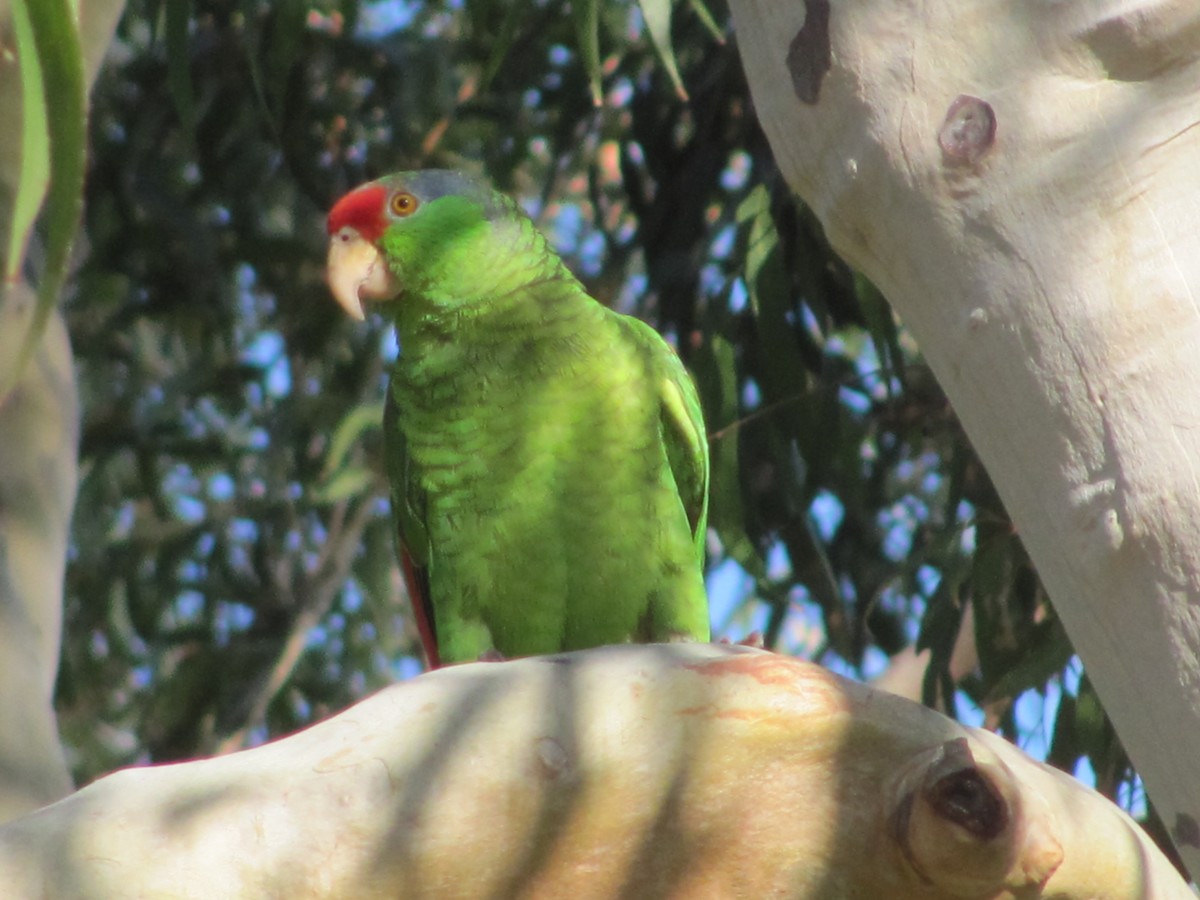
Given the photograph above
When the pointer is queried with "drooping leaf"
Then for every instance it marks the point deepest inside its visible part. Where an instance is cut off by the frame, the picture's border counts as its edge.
(179, 72)
(767, 285)
(1093, 730)
(939, 631)
(657, 15)
(375, 568)
(284, 50)
(34, 174)
(514, 12)
(48, 42)
(56, 31)
(587, 32)
(1044, 653)
(1065, 747)
(706, 19)
(349, 432)
(716, 375)
(992, 579)
(344, 483)
(881, 325)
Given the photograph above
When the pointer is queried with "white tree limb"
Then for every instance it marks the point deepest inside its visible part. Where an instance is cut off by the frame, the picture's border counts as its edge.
(1021, 181)
(39, 432)
(637, 771)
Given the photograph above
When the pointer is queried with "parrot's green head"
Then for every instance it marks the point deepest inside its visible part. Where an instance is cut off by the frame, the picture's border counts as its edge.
(407, 232)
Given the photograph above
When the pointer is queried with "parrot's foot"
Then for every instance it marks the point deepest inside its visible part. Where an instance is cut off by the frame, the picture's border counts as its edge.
(492, 655)
(753, 639)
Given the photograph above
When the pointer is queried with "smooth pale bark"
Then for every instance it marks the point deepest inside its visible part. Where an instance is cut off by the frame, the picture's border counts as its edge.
(1050, 271)
(637, 771)
(39, 432)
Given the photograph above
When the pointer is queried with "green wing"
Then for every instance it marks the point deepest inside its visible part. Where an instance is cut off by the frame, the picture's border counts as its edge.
(683, 428)
(412, 536)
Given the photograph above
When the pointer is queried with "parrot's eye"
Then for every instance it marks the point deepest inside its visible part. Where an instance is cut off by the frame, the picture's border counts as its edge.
(404, 204)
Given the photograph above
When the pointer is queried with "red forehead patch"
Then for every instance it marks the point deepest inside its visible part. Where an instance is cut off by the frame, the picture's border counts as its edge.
(362, 210)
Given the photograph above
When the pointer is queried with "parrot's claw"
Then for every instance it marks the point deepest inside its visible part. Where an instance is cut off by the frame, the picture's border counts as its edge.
(753, 639)
(492, 655)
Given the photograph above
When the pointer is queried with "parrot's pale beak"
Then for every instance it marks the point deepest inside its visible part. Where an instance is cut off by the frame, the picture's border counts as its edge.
(356, 271)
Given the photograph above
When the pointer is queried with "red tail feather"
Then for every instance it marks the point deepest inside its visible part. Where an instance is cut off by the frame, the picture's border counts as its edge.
(418, 590)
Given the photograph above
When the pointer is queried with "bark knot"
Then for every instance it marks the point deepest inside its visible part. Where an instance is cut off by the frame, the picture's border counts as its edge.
(969, 130)
(1186, 831)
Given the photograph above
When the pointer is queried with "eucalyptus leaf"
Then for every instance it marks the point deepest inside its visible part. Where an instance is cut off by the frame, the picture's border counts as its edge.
(587, 32)
(657, 15)
(34, 174)
(50, 53)
(349, 432)
(706, 18)
(179, 74)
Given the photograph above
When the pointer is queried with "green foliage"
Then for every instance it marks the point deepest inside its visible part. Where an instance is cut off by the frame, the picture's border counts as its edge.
(587, 34)
(34, 165)
(49, 181)
(232, 574)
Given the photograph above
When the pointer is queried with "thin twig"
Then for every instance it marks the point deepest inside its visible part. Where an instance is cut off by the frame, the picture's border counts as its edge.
(328, 581)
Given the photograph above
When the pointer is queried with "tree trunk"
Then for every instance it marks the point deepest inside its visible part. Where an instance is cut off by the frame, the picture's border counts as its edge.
(1020, 179)
(684, 770)
(39, 431)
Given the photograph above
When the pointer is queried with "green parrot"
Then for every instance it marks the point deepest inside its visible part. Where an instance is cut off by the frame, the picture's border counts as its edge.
(547, 455)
